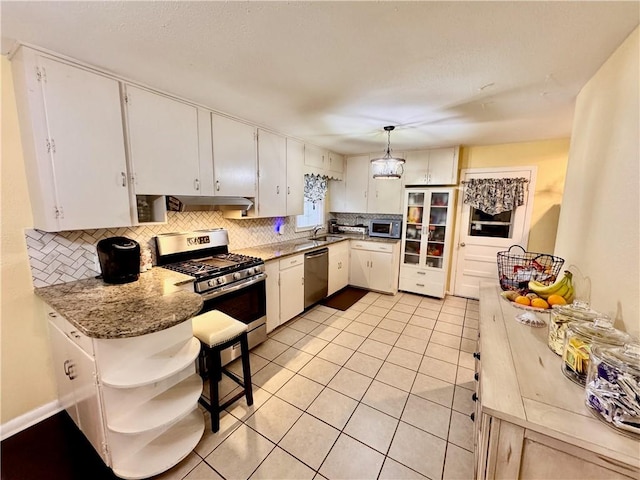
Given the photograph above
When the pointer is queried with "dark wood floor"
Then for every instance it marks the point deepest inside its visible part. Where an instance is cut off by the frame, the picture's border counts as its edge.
(53, 449)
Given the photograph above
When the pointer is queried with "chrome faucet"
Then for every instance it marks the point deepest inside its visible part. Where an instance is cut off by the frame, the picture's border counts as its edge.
(316, 229)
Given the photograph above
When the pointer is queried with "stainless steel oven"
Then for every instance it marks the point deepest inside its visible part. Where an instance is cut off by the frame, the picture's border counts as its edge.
(246, 303)
(231, 283)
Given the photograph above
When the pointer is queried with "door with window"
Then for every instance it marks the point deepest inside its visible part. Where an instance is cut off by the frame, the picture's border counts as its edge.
(480, 235)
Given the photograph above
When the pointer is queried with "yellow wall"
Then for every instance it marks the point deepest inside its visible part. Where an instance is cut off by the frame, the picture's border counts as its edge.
(27, 374)
(599, 229)
(550, 156)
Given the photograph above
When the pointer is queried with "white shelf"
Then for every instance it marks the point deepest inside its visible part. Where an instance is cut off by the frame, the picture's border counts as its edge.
(154, 368)
(161, 410)
(164, 451)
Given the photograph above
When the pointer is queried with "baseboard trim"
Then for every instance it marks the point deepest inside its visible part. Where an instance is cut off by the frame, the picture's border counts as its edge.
(28, 419)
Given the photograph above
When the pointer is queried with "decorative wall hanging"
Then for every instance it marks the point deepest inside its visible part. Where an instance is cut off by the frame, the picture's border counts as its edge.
(494, 195)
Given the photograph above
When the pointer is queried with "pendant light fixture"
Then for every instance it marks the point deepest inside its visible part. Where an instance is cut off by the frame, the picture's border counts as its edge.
(388, 166)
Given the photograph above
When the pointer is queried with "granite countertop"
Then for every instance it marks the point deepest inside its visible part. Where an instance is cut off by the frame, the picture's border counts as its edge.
(158, 300)
(277, 250)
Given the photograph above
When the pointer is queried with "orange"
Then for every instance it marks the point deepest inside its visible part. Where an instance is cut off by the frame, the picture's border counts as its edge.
(556, 300)
(539, 303)
(523, 300)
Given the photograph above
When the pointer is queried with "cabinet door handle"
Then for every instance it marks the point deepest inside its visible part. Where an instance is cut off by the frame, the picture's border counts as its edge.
(474, 397)
(74, 334)
(462, 244)
(288, 190)
(53, 315)
(476, 355)
(196, 184)
(302, 280)
(217, 185)
(69, 369)
(420, 284)
(365, 194)
(278, 189)
(124, 179)
(421, 273)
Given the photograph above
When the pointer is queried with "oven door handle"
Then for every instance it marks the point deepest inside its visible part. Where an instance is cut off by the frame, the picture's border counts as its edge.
(258, 278)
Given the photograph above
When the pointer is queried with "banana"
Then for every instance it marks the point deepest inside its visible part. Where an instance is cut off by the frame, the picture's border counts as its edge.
(564, 287)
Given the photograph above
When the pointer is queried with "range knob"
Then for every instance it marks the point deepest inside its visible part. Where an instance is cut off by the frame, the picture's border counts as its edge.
(211, 283)
(250, 271)
(220, 280)
(237, 276)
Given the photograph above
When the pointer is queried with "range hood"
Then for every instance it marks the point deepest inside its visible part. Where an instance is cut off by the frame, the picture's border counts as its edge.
(187, 203)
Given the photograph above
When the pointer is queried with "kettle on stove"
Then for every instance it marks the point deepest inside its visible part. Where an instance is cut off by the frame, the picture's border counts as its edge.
(119, 259)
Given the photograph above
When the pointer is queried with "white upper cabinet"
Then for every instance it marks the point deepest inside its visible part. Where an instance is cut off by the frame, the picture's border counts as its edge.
(234, 157)
(336, 162)
(316, 157)
(385, 195)
(431, 167)
(295, 177)
(163, 143)
(356, 184)
(73, 142)
(272, 176)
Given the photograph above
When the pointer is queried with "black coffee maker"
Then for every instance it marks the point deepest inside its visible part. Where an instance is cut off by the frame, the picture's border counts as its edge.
(119, 259)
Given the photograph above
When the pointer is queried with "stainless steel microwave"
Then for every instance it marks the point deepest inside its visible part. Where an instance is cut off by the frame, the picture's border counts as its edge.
(385, 228)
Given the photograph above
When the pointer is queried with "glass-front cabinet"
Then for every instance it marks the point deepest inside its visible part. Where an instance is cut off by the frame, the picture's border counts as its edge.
(426, 239)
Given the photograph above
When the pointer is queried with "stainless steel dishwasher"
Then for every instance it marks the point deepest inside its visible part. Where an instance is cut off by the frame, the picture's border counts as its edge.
(316, 276)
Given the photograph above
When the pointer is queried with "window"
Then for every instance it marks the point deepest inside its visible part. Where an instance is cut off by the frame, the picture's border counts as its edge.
(482, 224)
(313, 215)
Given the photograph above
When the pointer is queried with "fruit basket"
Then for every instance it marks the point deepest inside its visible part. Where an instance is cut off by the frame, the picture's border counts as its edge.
(517, 267)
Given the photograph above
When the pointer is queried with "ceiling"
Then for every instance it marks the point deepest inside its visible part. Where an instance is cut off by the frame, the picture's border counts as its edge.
(335, 73)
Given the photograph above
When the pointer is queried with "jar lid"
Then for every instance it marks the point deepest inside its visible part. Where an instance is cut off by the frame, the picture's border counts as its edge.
(624, 359)
(576, 311)
(601, 331)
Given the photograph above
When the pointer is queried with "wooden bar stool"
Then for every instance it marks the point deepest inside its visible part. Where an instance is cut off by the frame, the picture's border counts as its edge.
(217, 331)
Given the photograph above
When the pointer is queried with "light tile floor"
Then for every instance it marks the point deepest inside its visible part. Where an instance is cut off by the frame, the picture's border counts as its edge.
(380, 391)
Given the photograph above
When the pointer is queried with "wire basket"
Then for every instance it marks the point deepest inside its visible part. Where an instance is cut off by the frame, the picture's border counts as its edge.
(517, 268)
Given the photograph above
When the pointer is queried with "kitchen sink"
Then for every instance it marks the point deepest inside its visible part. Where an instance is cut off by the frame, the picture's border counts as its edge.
(304, 245)
(328, 238)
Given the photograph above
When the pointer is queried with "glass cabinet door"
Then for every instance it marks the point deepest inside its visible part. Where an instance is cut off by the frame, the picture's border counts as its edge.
(414, 227)
(437, 229)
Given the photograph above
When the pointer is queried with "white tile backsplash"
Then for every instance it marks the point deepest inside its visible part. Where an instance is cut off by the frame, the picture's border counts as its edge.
(67, 256)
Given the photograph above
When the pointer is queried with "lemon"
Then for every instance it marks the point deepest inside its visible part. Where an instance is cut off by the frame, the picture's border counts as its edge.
(556, 300)
(523, 300)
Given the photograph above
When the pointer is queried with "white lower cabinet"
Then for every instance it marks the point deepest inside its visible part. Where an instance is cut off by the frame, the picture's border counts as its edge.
(338, 267)
(135, 399)
(374, 265)
(272, 269)
(291, 287)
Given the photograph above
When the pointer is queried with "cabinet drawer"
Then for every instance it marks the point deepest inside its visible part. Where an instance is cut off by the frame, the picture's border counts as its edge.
(422, 274)
(420, 286)
(291, 261)
(79, 338)
(372, 246)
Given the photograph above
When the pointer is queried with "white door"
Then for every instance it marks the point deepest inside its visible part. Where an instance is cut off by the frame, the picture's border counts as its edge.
(359, 268)
(295, 177)
(479, 236)
(356, 184)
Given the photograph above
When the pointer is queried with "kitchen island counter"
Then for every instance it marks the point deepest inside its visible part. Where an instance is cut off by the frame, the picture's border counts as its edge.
(157, 301)
(272, 251)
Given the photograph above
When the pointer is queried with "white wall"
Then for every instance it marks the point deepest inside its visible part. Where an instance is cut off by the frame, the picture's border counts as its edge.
(599, 221)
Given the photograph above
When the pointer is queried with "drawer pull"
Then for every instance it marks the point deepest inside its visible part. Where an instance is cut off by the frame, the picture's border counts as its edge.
(473, 417)
(53, 315)
(476, 355)
(74, 334)
(419, 284)
(421, 273)
(474, 397)
(476, 376)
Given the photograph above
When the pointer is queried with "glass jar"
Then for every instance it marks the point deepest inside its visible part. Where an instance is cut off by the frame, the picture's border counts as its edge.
(561, 315)
(577, 345)
(612, 391)
(144, 209)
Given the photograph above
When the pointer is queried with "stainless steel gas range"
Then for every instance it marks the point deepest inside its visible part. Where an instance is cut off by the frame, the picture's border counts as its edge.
(231, 283)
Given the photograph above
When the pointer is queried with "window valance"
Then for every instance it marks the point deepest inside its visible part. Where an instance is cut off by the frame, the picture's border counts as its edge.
(315, 187)
(494, 195)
